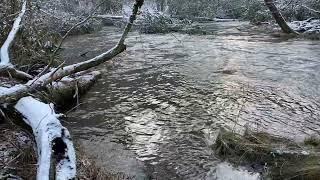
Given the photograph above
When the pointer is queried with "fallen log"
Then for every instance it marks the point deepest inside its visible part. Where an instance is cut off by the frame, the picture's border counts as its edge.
(69, 88)
(9, 71)
(6, 68)
(52, 139)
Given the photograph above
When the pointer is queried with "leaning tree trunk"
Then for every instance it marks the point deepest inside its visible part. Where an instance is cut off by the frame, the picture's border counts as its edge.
(278, 17)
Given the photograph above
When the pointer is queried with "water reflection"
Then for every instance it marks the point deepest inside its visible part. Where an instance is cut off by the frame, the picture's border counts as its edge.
(165, 98)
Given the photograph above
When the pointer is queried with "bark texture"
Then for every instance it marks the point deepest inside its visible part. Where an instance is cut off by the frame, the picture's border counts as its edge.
(278, 17)
(53, 140)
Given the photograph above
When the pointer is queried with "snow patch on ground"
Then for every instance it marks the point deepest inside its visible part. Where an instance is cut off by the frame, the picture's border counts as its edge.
(306, 26)
(224, 171)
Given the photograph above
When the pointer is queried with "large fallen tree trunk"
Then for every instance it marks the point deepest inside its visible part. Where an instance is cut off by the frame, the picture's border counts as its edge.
(51, 137)
(279, 18)
(14, 93)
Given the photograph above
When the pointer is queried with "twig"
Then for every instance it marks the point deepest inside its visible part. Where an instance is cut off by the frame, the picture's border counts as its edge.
(310, 9)
(65, 36)
(75, 107)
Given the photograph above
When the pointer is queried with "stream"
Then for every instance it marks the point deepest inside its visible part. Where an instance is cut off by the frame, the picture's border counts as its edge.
(158, 107)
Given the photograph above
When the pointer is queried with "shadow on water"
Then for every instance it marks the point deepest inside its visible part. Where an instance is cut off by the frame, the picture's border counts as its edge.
(158, 107)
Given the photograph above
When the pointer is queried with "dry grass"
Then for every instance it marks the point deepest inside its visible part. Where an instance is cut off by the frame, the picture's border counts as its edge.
(88, 170)
(18, 150)
(278, 157)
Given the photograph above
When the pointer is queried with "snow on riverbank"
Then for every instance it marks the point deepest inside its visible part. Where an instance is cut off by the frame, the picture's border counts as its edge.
(307, 26)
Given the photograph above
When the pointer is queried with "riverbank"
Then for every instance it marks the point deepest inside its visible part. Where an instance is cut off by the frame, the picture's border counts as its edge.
(18, 159)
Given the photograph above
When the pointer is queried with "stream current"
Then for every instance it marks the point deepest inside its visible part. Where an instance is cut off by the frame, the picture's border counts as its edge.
(158, 107)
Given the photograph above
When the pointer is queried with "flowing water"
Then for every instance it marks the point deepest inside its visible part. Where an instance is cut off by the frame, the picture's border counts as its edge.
(158, 107)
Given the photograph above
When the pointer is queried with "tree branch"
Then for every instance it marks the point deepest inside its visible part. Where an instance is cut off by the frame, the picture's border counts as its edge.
(5, 65)
(14, 93)
(310, 9)
(4, 52)
(65, 36)
(12, 72)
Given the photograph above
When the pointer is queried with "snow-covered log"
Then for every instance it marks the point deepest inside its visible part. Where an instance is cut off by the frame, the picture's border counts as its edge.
(14, 73)
(309, 26)
(6, 67)
(16, 92)
(70, 87)
(4, 52)
(53, 140)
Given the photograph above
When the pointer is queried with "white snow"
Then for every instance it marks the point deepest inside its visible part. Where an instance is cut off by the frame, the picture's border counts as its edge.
(46, 127)
(6, 91)
(224, 171)
(4, 54)
(306, 26)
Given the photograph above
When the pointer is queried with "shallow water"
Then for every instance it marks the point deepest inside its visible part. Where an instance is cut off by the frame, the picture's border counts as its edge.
(157, 109)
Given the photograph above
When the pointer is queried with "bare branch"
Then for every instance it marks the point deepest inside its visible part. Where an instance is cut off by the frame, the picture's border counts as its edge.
(65, 36)
(5, 65)
(310, 9)
(16, 92)
(15, 73)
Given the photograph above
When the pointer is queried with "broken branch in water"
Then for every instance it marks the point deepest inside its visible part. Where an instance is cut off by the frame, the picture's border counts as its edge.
(65, 36)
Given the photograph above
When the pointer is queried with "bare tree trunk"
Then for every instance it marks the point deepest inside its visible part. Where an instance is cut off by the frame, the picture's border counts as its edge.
(278, 17)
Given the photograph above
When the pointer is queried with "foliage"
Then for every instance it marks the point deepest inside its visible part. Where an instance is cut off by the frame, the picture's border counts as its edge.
(161, 23)
(253, 10)
(43, 25)
(155, 23)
